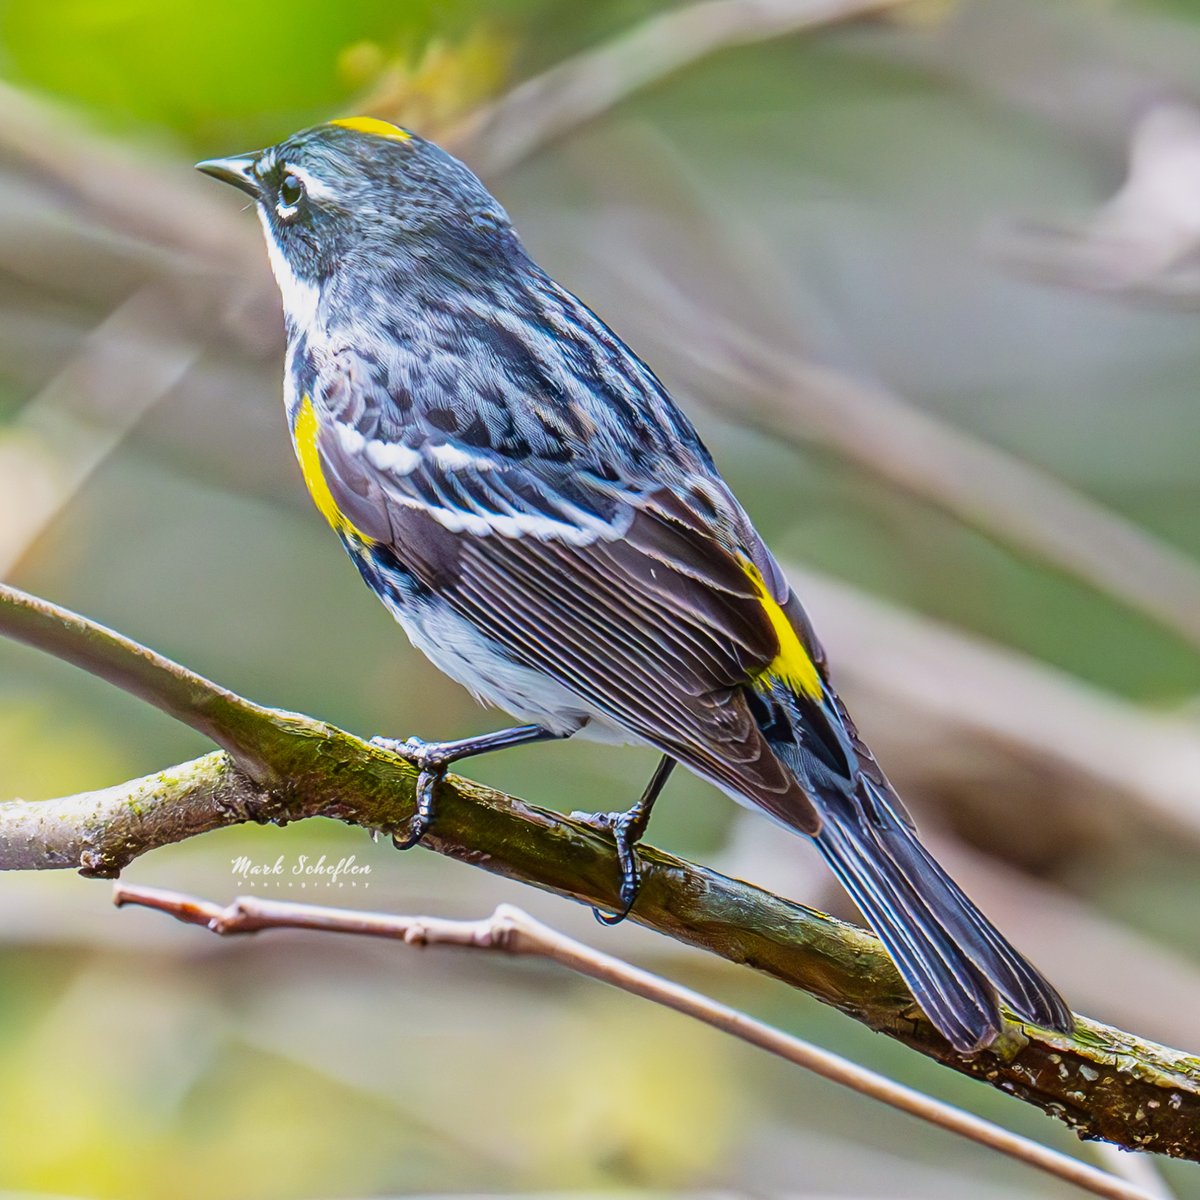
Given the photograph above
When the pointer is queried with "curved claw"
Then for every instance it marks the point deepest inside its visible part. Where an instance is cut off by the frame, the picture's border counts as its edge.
(417, 829)
(611, 919)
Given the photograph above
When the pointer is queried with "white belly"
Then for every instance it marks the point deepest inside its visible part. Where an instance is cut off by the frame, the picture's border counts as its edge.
(457, 649)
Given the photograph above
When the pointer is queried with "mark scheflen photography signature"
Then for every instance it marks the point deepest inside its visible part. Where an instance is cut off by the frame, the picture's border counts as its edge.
(303, 871)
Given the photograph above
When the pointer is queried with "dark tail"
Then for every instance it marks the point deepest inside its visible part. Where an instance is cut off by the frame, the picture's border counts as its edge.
(950, 955)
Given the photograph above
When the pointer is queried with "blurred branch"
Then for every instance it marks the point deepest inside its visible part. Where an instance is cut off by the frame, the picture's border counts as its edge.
(1091, 749)
(1010, 501)
(1143, 243)
(512, 931)
(126, 365)
(157, 204)
(571, 93)
(161, 206)
(1007, 499)
(283, 766)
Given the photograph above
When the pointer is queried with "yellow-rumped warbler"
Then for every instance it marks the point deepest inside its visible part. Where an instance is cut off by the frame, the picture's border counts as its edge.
(518, 488)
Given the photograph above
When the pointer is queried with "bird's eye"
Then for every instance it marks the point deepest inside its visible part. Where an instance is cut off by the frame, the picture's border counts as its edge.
(290, 191)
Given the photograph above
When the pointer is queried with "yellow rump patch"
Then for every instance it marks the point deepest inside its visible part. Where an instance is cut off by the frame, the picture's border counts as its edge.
(375, 126)
(305, 431)
(793, 664)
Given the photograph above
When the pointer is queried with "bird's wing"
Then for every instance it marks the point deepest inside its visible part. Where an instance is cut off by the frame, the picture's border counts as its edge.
(637, 599)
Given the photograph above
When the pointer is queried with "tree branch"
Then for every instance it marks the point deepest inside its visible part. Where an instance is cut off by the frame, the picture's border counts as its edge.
(282, 767)
(510, 930)
(258, 738)
(99, 832)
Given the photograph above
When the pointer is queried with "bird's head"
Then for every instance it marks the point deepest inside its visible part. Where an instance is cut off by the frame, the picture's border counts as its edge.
(359, 200)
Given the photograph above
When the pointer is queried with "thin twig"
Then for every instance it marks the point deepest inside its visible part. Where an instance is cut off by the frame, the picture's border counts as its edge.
(513, 931)
(1101, 1081)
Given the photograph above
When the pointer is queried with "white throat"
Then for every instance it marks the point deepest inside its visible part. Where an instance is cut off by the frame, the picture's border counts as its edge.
(300, 299)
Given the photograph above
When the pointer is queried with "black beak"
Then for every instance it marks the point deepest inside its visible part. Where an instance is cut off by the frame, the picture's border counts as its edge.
(238, 170)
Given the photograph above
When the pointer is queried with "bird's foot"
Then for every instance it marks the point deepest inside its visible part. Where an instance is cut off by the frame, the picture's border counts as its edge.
(626, 828)
(431, 760)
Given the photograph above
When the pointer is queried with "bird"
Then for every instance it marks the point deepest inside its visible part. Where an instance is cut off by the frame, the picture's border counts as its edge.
(521, 492)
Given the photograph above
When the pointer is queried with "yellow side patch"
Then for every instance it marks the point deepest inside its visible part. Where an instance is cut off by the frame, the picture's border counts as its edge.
(305, 431)
(792, 664)
(375, 126)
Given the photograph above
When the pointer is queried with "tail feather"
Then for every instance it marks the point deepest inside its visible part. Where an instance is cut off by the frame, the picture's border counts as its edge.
(951, 956)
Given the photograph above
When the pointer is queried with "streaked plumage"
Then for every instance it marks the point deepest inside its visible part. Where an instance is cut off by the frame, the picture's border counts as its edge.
(520, 491)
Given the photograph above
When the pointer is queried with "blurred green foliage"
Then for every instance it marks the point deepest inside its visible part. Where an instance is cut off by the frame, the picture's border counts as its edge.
(225, 72)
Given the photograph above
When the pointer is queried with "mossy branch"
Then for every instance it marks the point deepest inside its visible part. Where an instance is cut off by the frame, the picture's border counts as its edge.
(277, 767)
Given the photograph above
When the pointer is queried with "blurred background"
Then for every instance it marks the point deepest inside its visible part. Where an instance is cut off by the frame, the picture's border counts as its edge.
(926, 274)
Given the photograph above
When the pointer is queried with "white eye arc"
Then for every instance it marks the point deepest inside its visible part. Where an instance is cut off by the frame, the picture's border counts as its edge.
(291, 192)
(296, 185)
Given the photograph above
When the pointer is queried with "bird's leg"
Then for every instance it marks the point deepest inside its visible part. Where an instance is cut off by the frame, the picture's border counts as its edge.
(627, 829)
(432, 758)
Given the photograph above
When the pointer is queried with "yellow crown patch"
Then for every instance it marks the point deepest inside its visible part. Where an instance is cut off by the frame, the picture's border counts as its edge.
(375, 126)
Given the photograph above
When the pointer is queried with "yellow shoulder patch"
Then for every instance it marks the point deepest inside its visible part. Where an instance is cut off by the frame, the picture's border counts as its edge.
(374, 126)
(304, 433)
(793, 664)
